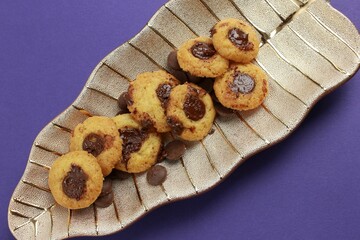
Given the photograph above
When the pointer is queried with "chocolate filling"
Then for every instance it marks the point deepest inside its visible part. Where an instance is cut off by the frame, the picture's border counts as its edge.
(74, 183)
(242, 83)
(147, 124)
(240, 39)
(163, 93)
(193, 107)
(175, 124)
(132, 142)
(94, 144)
(203, 50)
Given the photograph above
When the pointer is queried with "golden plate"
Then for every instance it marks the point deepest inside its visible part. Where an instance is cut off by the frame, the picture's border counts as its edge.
(308, 50)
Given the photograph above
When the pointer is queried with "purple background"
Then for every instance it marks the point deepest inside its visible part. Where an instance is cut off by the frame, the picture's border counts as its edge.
(306, 187)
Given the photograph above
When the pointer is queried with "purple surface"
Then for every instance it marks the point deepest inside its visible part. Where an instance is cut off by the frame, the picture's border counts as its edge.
(306, 187)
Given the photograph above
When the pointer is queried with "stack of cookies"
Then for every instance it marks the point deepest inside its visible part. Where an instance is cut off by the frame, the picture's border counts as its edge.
(226, 57)
(213, 75)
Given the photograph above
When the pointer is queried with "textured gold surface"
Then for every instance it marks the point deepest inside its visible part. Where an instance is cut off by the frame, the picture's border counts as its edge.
(305, 55)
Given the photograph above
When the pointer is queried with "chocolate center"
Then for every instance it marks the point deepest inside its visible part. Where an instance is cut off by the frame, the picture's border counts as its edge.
(193, 107)
(240, 39)
(176, 126)
(242, 83)
(132, 141)
(94, 144)
(74, 183)
(203, 50)
(163, 93)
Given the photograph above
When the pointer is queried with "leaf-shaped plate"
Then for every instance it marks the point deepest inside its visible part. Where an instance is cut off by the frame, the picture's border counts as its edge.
(308, 50)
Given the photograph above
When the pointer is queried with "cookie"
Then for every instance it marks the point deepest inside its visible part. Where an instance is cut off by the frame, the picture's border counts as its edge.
(100, 137)
(235, 40)
(148, 96)
(140, 147)
(75, 180)
(199, 57)
(242, 87)
(190, 112)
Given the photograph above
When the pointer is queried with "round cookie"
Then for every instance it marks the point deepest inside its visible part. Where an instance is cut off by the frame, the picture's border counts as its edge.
(190, 112)
(242, 87)
(99, 136)
(75, 180)
(199, 57)
(140, 148)
(148, 96)
(235, 40)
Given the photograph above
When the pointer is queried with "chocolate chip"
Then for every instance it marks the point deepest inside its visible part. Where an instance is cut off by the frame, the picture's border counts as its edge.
(192, 78)
(221, 110)
(214, 97)
(156, 175)
(105, 201)
(175, 150)
(242, 83)
(212, 31)
(211, 131)
(93, 144)
(240, 39)
(123, 111)
(203, 50)
(172, 61)
(107, 187)
(207, 84)
(180, 75)
(162, 154)
(117, 174)
(74, 183)
(122, 101)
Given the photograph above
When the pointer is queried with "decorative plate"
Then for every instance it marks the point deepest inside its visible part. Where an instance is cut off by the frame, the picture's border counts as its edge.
(308, 50)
